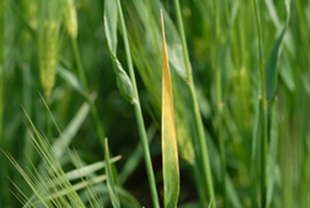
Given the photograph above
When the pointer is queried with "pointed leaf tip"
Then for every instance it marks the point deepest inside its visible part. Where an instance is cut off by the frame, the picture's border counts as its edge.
(171, 175)
(271, 72)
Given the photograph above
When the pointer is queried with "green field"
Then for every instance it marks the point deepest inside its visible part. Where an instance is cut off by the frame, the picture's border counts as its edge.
(149, 103)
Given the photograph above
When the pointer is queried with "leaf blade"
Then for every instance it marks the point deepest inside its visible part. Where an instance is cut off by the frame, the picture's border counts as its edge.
(124, 83)
(271, 72)
(171, 175)
(273, 151)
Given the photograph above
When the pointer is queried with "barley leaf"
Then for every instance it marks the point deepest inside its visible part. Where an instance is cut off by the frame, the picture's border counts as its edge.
(286, 72)
(273, 151)
(174, 48)
(122, 80)
(171, 176)
(271, 72)
(69, 77)
(110, 181)
(110, 24)
(102, 190)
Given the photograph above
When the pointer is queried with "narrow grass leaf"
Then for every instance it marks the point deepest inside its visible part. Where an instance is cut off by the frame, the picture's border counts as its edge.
(75, 187)
(271, 72)
(173, 42)
(210, 204)
(110, 181)
(110, 24)
(174, 48)
(122, 80)
(273, 151)
(84, 171)
(286, 72)
(171, 175)
(69, 77)
(125, 196)
(71, 130)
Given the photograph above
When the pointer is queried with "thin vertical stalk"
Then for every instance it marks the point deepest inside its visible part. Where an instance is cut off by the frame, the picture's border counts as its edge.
(138, 114)
(93, 108)
(79, 62)
(48, 121)
(219, 106)
(198, 120)
(199, 186)
(264, 144)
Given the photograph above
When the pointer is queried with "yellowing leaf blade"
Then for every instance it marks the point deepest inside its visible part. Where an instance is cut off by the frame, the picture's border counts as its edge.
(171, 176)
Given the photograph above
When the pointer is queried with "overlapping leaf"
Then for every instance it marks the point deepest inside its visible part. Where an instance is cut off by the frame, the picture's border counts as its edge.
(271, 72)
(110, 25)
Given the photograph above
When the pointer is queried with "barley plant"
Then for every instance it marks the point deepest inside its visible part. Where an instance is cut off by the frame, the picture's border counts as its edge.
(155, 103)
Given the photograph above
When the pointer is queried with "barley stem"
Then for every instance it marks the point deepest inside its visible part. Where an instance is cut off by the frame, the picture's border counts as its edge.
(138, 114)
(93, 108)
(79, 64)
(264, 144)
(218, 83)
(198, 121)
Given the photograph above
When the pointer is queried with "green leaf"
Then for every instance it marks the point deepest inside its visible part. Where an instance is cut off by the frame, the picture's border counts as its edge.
(174, 48)
(84, 171)
(75, 187)
(122, 80)
(110, 24)
(110, 180)
(102, 190)
(273, 151)
(286, 72)
(171, 175)
(69, 77)
(72, 128)
(271, 72)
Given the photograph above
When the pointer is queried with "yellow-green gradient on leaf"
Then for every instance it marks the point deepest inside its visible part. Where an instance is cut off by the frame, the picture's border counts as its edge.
(171, 176)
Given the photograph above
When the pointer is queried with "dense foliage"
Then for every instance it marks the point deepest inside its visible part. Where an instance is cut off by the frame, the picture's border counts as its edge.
(85, 70)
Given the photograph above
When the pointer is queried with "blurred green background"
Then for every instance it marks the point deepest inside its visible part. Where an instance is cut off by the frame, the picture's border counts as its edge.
(235, 42)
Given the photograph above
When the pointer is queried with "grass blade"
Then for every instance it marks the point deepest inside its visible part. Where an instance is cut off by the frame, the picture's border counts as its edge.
(138, 112)
(71, 130)
(273, 151)
(110, 181)
(198, 120)
(271, 72)
(110, 23)
(69, 77)
(171, 174)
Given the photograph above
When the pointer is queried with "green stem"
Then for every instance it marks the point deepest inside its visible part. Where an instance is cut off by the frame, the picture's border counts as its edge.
(198, 121)
(93, 108)
(264, 146)
(218, 83)
(138, 114)
(199, 186)
(48, 121)
(79, 63)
